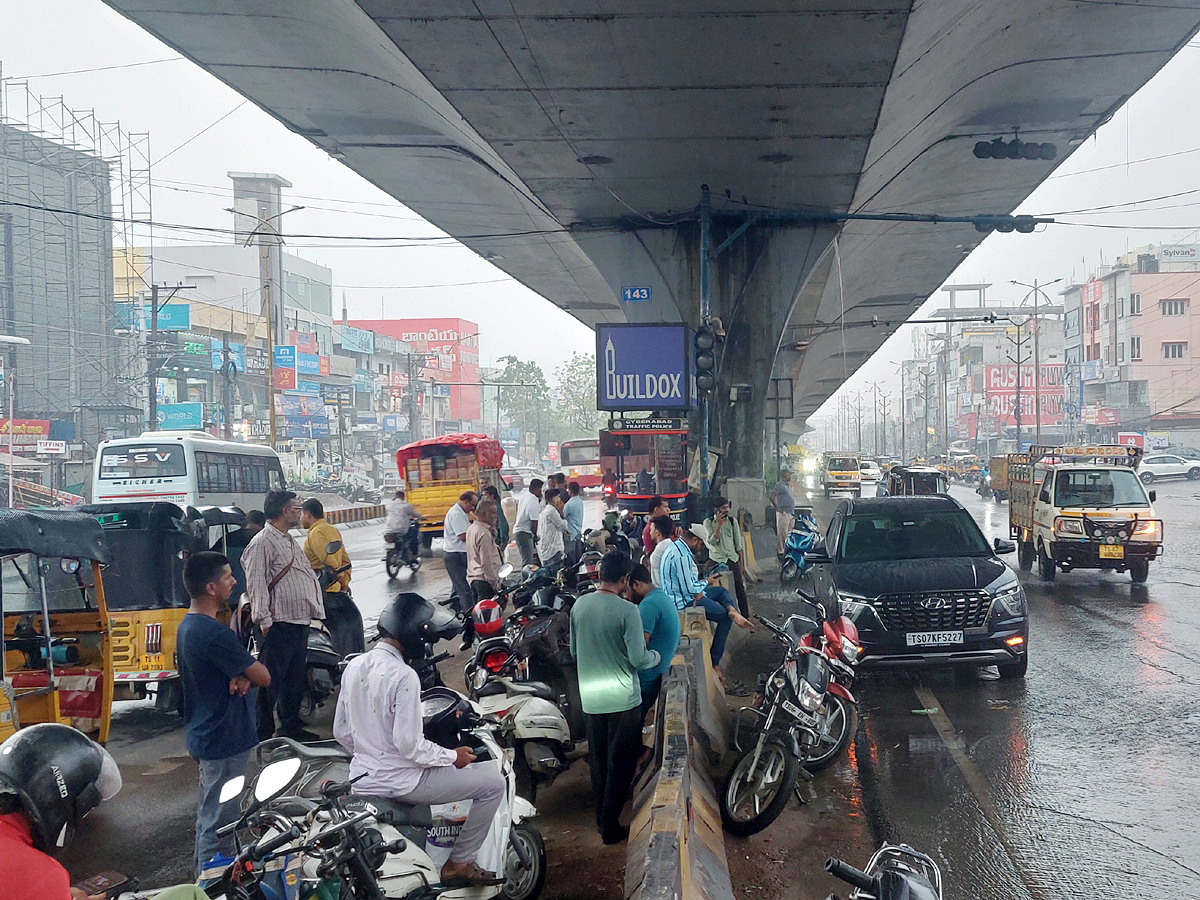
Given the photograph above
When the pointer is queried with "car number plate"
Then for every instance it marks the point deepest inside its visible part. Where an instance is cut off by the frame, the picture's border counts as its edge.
(1112, 551)
(153, 662)
(793, 709)
(933, 638)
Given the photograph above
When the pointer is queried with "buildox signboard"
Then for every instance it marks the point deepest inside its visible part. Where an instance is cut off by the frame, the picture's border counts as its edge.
(642, 367)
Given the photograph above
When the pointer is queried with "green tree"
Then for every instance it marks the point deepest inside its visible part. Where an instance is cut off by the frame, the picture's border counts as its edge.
(525, 399)
(576, 396)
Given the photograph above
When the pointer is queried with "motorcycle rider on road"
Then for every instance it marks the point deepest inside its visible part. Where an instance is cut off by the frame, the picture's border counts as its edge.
(51, 776)
(400, 517)
(379, 721)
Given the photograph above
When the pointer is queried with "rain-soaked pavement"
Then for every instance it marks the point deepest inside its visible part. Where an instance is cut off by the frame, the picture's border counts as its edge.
(1078, 782)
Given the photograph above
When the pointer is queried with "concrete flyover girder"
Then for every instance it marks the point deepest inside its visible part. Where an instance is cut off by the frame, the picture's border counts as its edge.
(571, 138)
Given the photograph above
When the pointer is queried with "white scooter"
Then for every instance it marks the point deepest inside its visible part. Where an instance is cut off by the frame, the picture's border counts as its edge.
(417, 838)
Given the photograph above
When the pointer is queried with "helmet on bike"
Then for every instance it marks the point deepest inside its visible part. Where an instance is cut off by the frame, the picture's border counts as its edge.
(412, 620)
(489, 618)
(55, 775)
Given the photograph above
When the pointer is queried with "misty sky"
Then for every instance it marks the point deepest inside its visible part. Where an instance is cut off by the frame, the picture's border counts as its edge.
(175, 100)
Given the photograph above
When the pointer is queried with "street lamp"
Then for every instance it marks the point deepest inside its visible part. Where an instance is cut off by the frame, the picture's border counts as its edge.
(1035, 289)
(10, 377)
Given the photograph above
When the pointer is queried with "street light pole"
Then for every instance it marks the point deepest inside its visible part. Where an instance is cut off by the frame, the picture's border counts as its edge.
(1037, 356)
(11, 376)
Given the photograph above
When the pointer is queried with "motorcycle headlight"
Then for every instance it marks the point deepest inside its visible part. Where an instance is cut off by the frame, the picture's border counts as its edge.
(849, 651)
(810, 697)
(1010, 601)
(778, 682)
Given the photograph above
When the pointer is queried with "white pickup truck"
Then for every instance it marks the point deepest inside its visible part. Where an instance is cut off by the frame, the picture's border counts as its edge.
(1082, 507)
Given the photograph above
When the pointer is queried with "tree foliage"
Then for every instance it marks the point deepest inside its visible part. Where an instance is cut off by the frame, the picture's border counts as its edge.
(576, 396)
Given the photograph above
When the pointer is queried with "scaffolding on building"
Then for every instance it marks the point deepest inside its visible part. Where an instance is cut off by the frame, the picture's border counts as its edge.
(78, 206)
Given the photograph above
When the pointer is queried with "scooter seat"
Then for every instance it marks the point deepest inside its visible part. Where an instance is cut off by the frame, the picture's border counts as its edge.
(491, 689)
(395, 812)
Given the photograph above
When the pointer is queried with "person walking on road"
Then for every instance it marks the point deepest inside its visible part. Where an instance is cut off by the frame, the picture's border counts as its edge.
(552, 531)
(454, 549)
(483, 556)
(682, 583)
(217, 675)
(785, 509)
(573, 513)
(525, 528)
(378, 720)
(609, 647)
(320, 535)
(725, 546)
(284, 598)
(660, 622)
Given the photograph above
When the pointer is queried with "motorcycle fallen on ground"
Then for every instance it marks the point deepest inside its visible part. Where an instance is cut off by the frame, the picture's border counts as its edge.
(768, 764)
(402, 551)
(895, 872)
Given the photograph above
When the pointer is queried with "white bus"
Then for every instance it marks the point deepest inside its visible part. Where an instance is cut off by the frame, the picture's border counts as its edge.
(187, 468)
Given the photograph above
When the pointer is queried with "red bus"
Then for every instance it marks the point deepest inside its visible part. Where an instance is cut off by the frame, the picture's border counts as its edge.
(580, 461)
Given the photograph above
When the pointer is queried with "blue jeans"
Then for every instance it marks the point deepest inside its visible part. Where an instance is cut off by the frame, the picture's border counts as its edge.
(211, 814)
(717, 603)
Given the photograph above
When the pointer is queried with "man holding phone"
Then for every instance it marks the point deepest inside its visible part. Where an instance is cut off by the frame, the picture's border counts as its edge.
(725, 546)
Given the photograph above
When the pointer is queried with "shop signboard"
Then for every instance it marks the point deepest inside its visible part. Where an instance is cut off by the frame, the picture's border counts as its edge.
(642, 367)
(181, 416)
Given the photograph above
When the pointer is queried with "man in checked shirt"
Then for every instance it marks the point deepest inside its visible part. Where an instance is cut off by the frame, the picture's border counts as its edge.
(284, 598)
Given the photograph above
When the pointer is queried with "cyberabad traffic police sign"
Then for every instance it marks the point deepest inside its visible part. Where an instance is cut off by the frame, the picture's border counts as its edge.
(642, 367)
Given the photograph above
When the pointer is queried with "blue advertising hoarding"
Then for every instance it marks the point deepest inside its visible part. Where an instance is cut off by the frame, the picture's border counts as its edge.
(642, 367)
(171, 316)
(308, 364)
(285, 357)
(308, 387)
(180, 416)
(357, 340)
(237, 356)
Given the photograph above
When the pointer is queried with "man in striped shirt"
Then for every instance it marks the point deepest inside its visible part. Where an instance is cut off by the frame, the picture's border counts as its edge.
(681, 581)
(284, 598)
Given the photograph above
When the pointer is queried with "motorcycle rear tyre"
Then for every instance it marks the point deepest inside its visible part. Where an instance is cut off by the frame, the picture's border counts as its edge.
(391, 563)
(525, 884)
(789, 571)
(787, 784)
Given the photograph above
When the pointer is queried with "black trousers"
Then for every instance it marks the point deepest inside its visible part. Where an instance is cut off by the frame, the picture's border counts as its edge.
(739, 587)
(650, 692)
(614, 746)
(285, 654)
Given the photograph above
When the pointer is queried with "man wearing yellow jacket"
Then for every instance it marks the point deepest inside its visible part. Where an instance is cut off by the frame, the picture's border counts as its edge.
(321, 534)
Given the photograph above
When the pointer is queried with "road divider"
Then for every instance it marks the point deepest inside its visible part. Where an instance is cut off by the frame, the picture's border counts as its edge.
(354, 514)
(676, 847)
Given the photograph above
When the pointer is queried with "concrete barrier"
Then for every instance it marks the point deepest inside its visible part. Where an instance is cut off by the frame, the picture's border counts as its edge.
(354, 514)
(676, 847)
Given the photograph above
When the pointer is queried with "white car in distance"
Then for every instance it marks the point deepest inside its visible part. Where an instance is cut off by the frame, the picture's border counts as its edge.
(870, 470)
(1168, 465)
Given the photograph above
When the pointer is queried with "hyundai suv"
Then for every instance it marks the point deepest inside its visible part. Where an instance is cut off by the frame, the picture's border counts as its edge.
(923, 585)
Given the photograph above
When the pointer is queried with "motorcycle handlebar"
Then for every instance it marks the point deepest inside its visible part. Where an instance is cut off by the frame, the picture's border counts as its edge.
(775, 628)
(268, 846)
(849, 874)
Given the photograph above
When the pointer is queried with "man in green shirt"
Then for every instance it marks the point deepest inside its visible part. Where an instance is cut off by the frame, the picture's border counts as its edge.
(725, 546)
(609, 649)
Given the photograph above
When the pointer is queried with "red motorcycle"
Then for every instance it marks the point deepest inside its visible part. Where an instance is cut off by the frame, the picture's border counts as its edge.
(609, 492)
(837, 719)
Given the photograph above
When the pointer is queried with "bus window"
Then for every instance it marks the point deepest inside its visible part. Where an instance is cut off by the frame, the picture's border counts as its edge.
(165, 461)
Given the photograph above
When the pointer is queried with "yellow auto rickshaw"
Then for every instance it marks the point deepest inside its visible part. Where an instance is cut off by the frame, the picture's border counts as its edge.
(57, 659)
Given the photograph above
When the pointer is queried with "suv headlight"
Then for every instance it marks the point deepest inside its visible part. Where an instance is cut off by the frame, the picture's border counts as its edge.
(810, 697)
(1010, 601)
(853, 605)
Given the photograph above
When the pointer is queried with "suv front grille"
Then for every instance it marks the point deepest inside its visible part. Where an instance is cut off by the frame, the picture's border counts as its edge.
(933, 610)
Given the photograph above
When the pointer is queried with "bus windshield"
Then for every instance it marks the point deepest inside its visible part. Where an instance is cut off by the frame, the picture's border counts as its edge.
(162, 461)
(581, 453)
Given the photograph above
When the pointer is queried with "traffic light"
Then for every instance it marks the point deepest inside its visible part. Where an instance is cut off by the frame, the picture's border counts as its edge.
(1014, 149)
(1005, 224)
(705, 360)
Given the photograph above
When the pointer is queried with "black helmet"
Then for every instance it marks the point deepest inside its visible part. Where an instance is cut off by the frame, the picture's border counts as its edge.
(57, 775)
(412, 620)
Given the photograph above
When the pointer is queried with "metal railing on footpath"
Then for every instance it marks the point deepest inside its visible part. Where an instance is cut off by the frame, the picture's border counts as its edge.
(676, 846)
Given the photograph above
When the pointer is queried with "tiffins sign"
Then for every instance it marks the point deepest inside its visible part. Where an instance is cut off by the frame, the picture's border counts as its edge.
(642, 367)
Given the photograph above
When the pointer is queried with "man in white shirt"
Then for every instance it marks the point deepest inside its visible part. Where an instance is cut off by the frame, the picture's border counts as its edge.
(454, 548)
(552, 529)
(525, 527)
(378, 720)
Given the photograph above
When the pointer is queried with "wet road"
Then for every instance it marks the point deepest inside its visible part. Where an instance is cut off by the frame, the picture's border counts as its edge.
(1078, 782)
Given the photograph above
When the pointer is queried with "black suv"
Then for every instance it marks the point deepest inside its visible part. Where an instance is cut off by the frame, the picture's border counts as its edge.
(923, 586)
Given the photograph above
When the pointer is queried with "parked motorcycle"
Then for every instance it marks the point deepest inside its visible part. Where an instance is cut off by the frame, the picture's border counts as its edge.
(803, 538)
(406, 843)
(837, 718)
(403, 550)
(895, 872)
(765, 773)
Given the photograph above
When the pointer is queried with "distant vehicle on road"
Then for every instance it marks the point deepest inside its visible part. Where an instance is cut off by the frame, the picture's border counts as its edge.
(870, 470)
(923, 585)
(1168, 465)
(580, 461)
(438, 470)
(525, 473)
(842, 473)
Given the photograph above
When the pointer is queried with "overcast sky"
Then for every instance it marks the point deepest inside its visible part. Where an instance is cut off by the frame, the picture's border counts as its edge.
(180, 105)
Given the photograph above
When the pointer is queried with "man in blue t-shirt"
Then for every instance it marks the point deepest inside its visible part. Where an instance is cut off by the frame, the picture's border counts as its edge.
(217, 675)
(660, 622)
